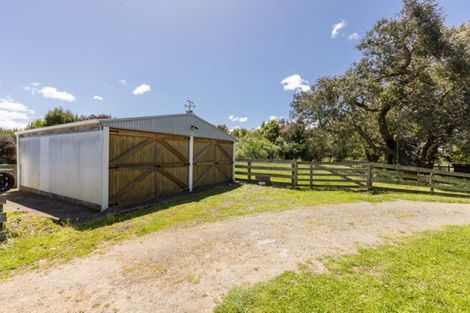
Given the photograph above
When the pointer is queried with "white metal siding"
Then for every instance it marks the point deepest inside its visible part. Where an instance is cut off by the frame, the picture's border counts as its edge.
(30, 156)
(69, 165)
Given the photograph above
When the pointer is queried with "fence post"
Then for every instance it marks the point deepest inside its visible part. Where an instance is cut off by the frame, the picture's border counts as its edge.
(311, 175)
(294, 173)
(249, 171)
(431, 182)
(3, 217)
(369, 176)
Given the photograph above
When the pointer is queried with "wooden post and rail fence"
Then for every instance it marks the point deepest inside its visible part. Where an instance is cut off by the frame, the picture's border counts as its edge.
(7, 181)
(362, 175)
(3, 217)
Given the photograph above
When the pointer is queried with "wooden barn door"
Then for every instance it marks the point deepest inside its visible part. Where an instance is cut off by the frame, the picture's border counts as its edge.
(144, 166)
(212, 162)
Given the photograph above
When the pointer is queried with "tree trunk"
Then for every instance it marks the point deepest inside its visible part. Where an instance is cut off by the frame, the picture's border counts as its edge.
(428, 153)
(390, 142)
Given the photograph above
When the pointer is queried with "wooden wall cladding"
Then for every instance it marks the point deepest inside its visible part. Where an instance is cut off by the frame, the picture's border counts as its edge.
(213, 162)
(145, 166)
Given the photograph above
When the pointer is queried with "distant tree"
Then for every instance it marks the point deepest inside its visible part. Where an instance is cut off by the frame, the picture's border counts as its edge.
(8, 132)
(7, 149)
(255, 146)
(59, 116)
(224, 128)
(271, 130)
(239, 132)
(101, 116)
(458, 151)
(317, 145)
(36, 123)
(296, 139)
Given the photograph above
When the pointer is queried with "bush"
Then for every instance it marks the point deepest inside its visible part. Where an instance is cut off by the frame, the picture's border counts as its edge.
(7, 149)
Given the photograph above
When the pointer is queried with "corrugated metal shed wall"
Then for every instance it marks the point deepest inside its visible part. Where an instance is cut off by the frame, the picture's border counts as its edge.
(179, 124)
(68, 165)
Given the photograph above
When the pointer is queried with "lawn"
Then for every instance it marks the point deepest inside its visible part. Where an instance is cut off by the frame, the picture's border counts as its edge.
(428, 272)
(37, 242)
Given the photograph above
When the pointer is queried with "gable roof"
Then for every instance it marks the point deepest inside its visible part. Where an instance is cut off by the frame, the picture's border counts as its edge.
(186, 124)
(179, 124)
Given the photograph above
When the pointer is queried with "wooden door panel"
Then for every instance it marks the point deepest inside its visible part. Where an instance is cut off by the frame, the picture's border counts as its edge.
(212, 162)
(144, 166)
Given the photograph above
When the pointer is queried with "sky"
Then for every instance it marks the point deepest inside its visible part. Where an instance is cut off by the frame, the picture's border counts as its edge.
(240, 61)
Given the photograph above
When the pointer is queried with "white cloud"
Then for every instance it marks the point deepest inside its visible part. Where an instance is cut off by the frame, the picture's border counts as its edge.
(50, 92)
(11, 122)
(353, 36)
(99, 98)
(33, 90)
(295, 83)
(53, 93)
(140, 90)
(122, 82)
(13, 114)
(234, 118)
(13, 105)
(276, 118)
(337, 28)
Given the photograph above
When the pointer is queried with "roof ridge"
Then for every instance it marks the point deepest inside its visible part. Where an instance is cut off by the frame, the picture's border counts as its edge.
(147, 117)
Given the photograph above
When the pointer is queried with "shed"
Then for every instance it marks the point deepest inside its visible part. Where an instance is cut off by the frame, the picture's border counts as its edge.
(124, 161)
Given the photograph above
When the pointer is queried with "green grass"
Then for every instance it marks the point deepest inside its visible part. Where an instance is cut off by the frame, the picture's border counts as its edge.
(37, 242)
(429, 272)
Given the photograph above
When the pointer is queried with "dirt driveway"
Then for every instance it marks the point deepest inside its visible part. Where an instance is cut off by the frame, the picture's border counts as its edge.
(189, 269)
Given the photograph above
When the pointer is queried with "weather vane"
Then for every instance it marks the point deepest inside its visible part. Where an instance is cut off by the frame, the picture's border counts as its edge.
(189, 106)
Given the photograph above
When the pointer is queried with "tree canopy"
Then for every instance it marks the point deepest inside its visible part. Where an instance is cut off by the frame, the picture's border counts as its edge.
(59, 116)
(294, 139)
(408, 97)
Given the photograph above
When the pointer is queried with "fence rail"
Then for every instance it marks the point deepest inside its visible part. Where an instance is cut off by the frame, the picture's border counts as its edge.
(362, 175)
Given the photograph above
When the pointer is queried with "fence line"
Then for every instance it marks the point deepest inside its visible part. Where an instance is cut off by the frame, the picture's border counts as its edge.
(362, 175)
(3, 217)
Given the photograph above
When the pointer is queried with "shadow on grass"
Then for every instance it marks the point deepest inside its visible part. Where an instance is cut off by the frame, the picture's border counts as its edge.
(351, 188)
(423, 192)
(124, 214)
(358, 189)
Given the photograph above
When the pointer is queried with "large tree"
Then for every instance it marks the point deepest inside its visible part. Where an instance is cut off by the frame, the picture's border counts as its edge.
(408, 96)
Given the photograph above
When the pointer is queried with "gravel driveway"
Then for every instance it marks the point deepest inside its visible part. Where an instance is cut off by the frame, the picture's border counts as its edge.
(189, 269)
